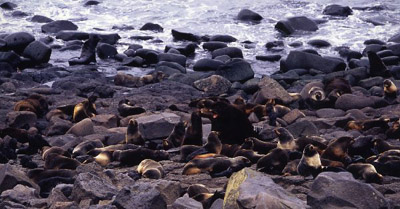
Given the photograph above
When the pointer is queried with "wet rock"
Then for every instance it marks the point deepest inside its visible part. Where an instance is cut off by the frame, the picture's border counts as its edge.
(392, 60)
(217, 204)
(319, 43)
(91, 3)
(351, 101)
(177, 58)
(289, 76)
(270, 58)
(251, 189)
(236, 70)
(72, 35)
(58, 127)
(152, 27)
(184, 36)
(332, 190)
(105, 51)
(297, 59)
(19, 14)
(106, 120)
(370, 82)
(20, 119)
(329, 113)
(19, 194)
(232, 52)
(82, 128)
(207, 65)
(90, 186)
(11, 58)
(60, 193)
(213, 85)
(292, 116)
(385, 53)
(157, 125)
(38, 52)
(248, 15)
(133, 61)
(18, 41)
(214, 45)
(395, 38)
(8, 6)
(148, 194)
(186, 202)
(111, 38)
(173, 65)
(337, 10)
(223, 38)
(58, 25)
(395, 71)
(10, 176)
(41, 19)
(270, 89)
(293, 24)
(303, 128)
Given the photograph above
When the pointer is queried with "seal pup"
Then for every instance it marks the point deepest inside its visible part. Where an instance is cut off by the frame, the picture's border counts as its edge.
(150, 169)
(390, 91)
(194, 130)
(88, 52)
(133, 157)
(337, 150)
(365, 171)
(246, 150)
(213, 145)
(176, 137)
(56, 161)
(86, 146)
(216, 167)
(35, 103)
(126, 108)
(85, 109)
(133, 135)
(259, 146)
(274, 162)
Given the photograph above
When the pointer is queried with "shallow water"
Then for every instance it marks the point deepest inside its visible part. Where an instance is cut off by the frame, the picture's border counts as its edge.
(210, 17)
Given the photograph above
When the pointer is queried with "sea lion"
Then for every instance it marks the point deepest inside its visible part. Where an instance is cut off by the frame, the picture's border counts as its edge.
(126, 108)
(56, 113)
(54, 149)
(103, 158)
(85, 109)
(194, 130)
(196, 189)
(56, 161)
(213, 145)
(274, 111)
(313, 96)
(154, 77)
(88, 52)
(291, 168)
(286, 140)
(337, 150)
(35, 143)
(367, 124)
(390, 91)
(176, 137)
(84, 147)
(336, 87)
(133, 157)
(218, 166)
(365, 171)
(274, 162)
(133, 135)
(310, 162)
(35, 103)
(150, 169)
(376, 65)
(111, 148)
(229, 150)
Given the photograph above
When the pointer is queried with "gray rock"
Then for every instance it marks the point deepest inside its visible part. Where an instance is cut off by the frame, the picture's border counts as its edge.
(72, 35)
(303, 128)
(66, 141)
(329, 113)
(148, 194)
(157, 125)
(293, 115)
(207, 65)
(19, 194)
(173, 65)
(248, 15)
(270, 89)
(58, 25)
(60, 193)
(370, 82)
(38, 52)
(105, 50)
(11, 58)
(319, 43)
(10, 176)
(251, 85)
(169, 57)
(217, 204)
(82, 128)
(341, 190)
(106, 120)
(213, 85)
(58, 126)
(289, 76)
(111, 38)
(18, 41)
(351, 101)
(214, 45)
(90, 186)
(152, 27)
(251, 189)
(298, 59)
(236, 70)
(18, 119)
(337, 10)
(186, 202)
(41, 19)
(232, 52)
(223, 38)
(293, 24)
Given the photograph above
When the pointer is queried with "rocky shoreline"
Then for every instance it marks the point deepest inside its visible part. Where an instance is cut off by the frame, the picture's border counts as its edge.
(352, 96)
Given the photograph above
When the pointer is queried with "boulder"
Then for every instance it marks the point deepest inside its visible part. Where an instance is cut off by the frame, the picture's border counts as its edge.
(11, 58)
(20, 194)
(186, 202)
(18, 41)
(82, 128)
(341, 190)
(395, 38)
(319, 43)
(207, 65)
(8, 6)
(184, 36)
(370, 82)
(270, 58)
(298, 59)
(19, 14)
(41, 19)
(329, 113)
(270, 89)
(111, 38)
(223, 38)
(133, 61)
(72, 35)
(251, 189)
(58, 25)
(147, 194)
(58, 127)
(152, 27)
(106, 120)
(214, 45)
(38, 52)
(213, 85)
(157, 125)
(351, 101)
(248, 15)
(337, 10)
(173, 65)
(232, 52)
(236, 70)
(105, 51)
(20, 119)
(293, 24)
(169, 57)
(293, 115)
(91, 186)
(10, 176)
(303, 128)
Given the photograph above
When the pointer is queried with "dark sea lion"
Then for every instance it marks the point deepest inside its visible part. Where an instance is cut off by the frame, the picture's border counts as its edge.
(286, 140)
(88, 52)
(125, 108)
(336, 87)
(365, 171)
(390, 91)
(213, 145)
(274, 162)
(291, 168)
(229, 150)
(376, 65)
(86, 146)
(196, 189)
(133, 157)
(56, 161)
(310, 162)
(219, 166)
(104, 158)
(54, 149)
(176, 137)
(35, 103)
(111, 148)
(85, 109)
(194, 130)
(337, 150)
(151, 169)
(133, 135)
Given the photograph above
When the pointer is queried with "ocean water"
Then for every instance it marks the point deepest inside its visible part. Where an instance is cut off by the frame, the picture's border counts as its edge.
(210, 17)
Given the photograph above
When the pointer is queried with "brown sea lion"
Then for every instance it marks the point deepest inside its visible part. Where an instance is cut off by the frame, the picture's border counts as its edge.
(151, 169)
(85, 109)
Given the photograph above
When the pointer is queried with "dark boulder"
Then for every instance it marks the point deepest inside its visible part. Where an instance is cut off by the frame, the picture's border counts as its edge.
(337, 10)
(183, 36)
(292, 24)
(41, 19)
(38, 52)
(297, 59)
(223, 38)
(236, 70)
(18, 41)
(173, 65)
(19, 14)
(248, 15)
(152, 27)
(8, 6)
(180, 59)
(91, 3)
(109, 38)
(11, 58)
(105, 51)
(207, 65)
(58, 25)
(72, 35)
(133, 61)
(319, 43)
(270, 58)
(232, 52)
(214, 45)
(395, 38)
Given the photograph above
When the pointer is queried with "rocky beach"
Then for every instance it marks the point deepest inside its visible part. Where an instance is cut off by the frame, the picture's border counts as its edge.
(199, 105)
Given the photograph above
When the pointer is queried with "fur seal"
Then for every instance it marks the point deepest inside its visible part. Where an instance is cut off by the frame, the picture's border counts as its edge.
(274, 111)
(390, 91)
(310, 162)
(56, 161)
(246, 150)
(274, 162)
(313, 96)
(202, 194)
(47, 179)
(286, 140)
(133, 157)
(126, 108)
(381, 145)
(54, 149)
(103, 158)
(376, 65)
(85, 109)
(194, 130)
(229, 150)
(35, 103)
(336, 87)
(337, 150)
(111, 148)
(133, 135)
(218, 166)
(176, 137)
(213, 145)
(86, 146)
(88, 52)
(261, 147)
(365, 171)
(150, 169)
